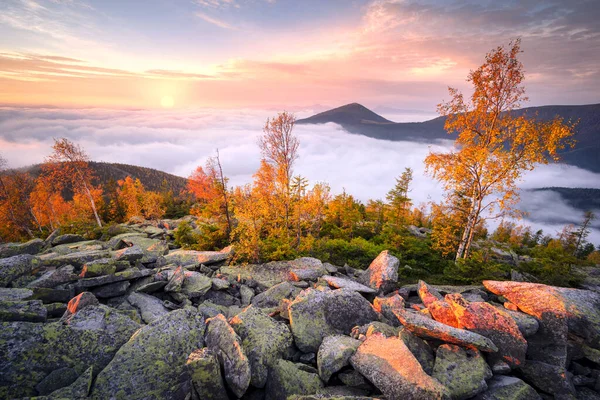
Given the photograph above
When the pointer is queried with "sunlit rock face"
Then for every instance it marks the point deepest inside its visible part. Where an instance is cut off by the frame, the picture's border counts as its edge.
(439, 309)
(392, 368)
(496, 325)
(557, 309)
(428, 328)
(383, 271)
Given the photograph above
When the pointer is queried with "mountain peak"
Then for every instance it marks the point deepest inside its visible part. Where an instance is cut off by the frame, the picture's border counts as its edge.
(353, 113)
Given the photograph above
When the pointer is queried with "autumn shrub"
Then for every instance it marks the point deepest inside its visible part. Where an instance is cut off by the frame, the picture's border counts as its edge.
(184, 235)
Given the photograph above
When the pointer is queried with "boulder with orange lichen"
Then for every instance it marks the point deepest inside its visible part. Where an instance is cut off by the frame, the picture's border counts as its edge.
(383, 272)
(388, 305)
(392, 368)
(555, 307)
(438, 308)
(496, 325)
(427, 328)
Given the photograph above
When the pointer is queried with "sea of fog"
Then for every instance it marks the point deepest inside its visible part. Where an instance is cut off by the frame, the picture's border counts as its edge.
(177, 141)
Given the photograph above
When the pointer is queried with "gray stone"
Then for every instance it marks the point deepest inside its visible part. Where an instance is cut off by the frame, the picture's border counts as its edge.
(334, 354)
(548, 378)
(271, 297)
(130, 254)
(246, 294)
(32, 247)
(152, 364)
(151, 308)
(127, 275)
(29, 351)
(29, 311)
(55, 277)
(67, 239)
(420, 349)
(14, 267)
(78, 389)
(111, 290)
(264, 341)
(287, 379)
(462, 371)
(222, 340)
(195, 258)
(345, 283)
(77, 259)
(205, 371)
(306, 268)
(508, 388)
(55, 380)
(315, 315)
(151, 287)
(220, 284)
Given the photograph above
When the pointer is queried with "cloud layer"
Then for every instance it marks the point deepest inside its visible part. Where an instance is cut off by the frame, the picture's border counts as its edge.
(178, 141)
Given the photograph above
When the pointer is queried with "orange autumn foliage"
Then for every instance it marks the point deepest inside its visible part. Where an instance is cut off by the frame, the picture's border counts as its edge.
(494, 147)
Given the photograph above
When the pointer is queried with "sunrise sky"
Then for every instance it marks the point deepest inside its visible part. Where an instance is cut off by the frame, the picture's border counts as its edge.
(286, 53)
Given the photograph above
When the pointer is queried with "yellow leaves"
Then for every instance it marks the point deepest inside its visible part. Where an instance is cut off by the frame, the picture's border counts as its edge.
(494, 147)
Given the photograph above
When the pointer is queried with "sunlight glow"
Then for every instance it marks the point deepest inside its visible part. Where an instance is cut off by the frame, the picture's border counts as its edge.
(167, 102)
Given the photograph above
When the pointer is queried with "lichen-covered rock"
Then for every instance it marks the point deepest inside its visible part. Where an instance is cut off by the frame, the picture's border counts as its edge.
(126, 275)
(272, 296)
(220, 284)
(553, 306)
(130, 254)
(14, 267)
(462, 371)
(78, 389)
(345, 283)
(67, 239)
(527, 324)
(29, 311)
(374, 327)
(79, 302)
(315, 315)
(382, 272)
(508, 388)
(438, 308)
(195, 284)
(31, 247)
(388, 305)
(195, 258)
(306, 269)
(419, 348)
(430, 329)
(205, 371)
(151, 308)
(493, 323)
(55, 277)
(55, 380)
(152, 364)
(103, 266)
(226, 344)
(78, 259)
(30, 351)
(111, 290)
(391, 367)
(287, 379)
(548, 378)
(334, 354)
(264, 341)
(246, 294)
(152, 248)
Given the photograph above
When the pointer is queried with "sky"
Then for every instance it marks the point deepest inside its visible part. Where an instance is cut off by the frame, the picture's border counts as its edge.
(286, 53)
(163, 83)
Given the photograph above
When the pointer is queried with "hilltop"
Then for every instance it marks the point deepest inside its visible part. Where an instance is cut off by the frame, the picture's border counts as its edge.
(152, 179)
(358, 119)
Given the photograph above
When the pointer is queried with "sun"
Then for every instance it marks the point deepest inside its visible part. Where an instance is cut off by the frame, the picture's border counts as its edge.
(167, 102)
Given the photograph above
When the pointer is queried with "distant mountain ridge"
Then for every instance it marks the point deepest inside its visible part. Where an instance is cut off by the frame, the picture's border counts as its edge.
(358, 119)
(152, 179)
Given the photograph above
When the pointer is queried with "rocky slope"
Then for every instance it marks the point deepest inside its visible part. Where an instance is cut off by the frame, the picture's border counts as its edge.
(132, 317)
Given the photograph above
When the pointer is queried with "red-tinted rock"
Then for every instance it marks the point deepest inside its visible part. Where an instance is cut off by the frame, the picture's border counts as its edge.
(388, 305)
(555, 307)
(430, 329)
(383, 271)
(438, 308)
(392, 368)
(79, 302)
(493, 323)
